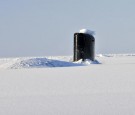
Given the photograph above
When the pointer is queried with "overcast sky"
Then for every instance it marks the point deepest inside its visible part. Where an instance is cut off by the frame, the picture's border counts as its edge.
(46, 27)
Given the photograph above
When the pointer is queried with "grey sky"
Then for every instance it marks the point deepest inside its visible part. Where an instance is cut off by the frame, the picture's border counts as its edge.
(46, 27)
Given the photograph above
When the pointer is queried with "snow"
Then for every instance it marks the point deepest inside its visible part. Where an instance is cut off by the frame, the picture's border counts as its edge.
(86, 31)
(42, 62)
(94, 89)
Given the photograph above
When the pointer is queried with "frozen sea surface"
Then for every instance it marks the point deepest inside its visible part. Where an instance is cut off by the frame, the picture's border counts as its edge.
(107, 88)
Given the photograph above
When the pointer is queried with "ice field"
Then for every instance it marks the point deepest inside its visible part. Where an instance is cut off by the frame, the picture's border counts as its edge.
(57, 86)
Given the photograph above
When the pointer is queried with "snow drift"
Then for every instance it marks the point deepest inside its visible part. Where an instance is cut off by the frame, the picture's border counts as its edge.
(42, 62)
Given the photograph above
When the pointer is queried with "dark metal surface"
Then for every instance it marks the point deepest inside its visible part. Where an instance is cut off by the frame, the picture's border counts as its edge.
(84, 47)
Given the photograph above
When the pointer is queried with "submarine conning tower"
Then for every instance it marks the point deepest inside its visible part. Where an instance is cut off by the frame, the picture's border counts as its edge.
(84, 45)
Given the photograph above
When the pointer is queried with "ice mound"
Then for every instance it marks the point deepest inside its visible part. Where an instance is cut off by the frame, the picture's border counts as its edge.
(45, 63)
(87, 62)
(42, 63)
(86, 31)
